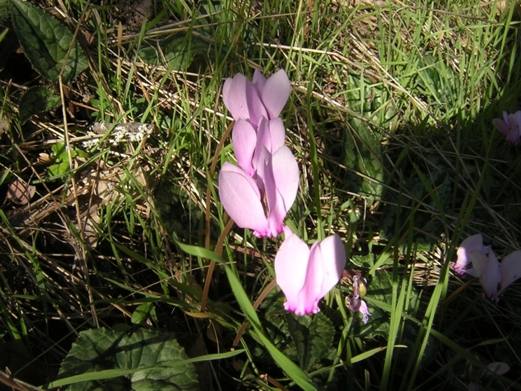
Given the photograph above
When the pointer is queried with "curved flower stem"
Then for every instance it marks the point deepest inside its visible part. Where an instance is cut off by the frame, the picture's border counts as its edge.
(258, 301)
(211, 268)
(211, 172)
(207, 218)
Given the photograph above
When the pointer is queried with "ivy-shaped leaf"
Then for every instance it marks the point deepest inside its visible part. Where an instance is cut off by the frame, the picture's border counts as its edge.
(93, 351)
(313, 338)
(37, 100)
(162, 358)
(147, 348)
(47, 42)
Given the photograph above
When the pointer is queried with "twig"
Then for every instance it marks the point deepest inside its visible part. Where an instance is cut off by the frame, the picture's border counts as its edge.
(211, 267)
(227, 228)
(15, 384)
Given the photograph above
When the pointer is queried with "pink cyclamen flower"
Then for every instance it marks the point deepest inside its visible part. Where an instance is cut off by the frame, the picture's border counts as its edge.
(494, 276)
(467, 249)
(249, 143)
(305, 275)
(261, 202)
(509, 126)
(257, 99)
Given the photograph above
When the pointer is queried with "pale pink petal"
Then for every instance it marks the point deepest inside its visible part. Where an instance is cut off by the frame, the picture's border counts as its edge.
(275, 93)
(286, 179)
(291, 263)
(244, 139)
(364, 311)
(463, 262)
(490, 276)
(326, 263)
(270, 137)
(515, 133)
(479, 261)
(333, 260)
(241, 199)
(275, 135)
(266, 172)
(256, 108)
(234, 96)
(262, 136)
(510, 269)
(501, 125)
(280, 179)
(509, 126)
(259, 80)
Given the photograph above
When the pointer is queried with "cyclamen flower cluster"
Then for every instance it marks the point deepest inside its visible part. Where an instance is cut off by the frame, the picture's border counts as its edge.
(259, 191)
(509, 126)
(477, 260)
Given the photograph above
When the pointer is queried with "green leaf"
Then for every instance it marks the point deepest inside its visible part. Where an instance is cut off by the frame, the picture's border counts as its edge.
(141, 313)
(163, 357)
(144, 360)
(370, 353)
(313, 337)
(37, 100)
(178, 53)
(61, 160)
(321, 338)
(92, 352)
(292, 370)
(201, 252)
(47, 42)
(4, 12)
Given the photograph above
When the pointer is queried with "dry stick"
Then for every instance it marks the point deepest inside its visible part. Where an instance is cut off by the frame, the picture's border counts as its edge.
(258, 301)
(227, 228)
(15, 384)
(209, 274)
(208, 196)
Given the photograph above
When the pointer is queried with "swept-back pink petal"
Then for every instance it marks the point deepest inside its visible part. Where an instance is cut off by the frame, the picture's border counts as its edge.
(275, 135)
(326, 263)
(270, 137)
(490, 274)
(244, 139)
(256, 108)
(509, 126)
(364, 311)
(479, 260)
(515, 131)
(241, 199)
(463, 262)
(259, 80)
(333, 260)
(275, 92)
(266, 173)
(502, 124)
(291, 264)
(286, 179)
(510, 269)
(235, 98)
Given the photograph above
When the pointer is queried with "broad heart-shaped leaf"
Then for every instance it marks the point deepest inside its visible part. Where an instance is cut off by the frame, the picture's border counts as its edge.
(93, 351)
(162, 358)
(47, 42)
(146, 348)
(37, 100)
(313, 338)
